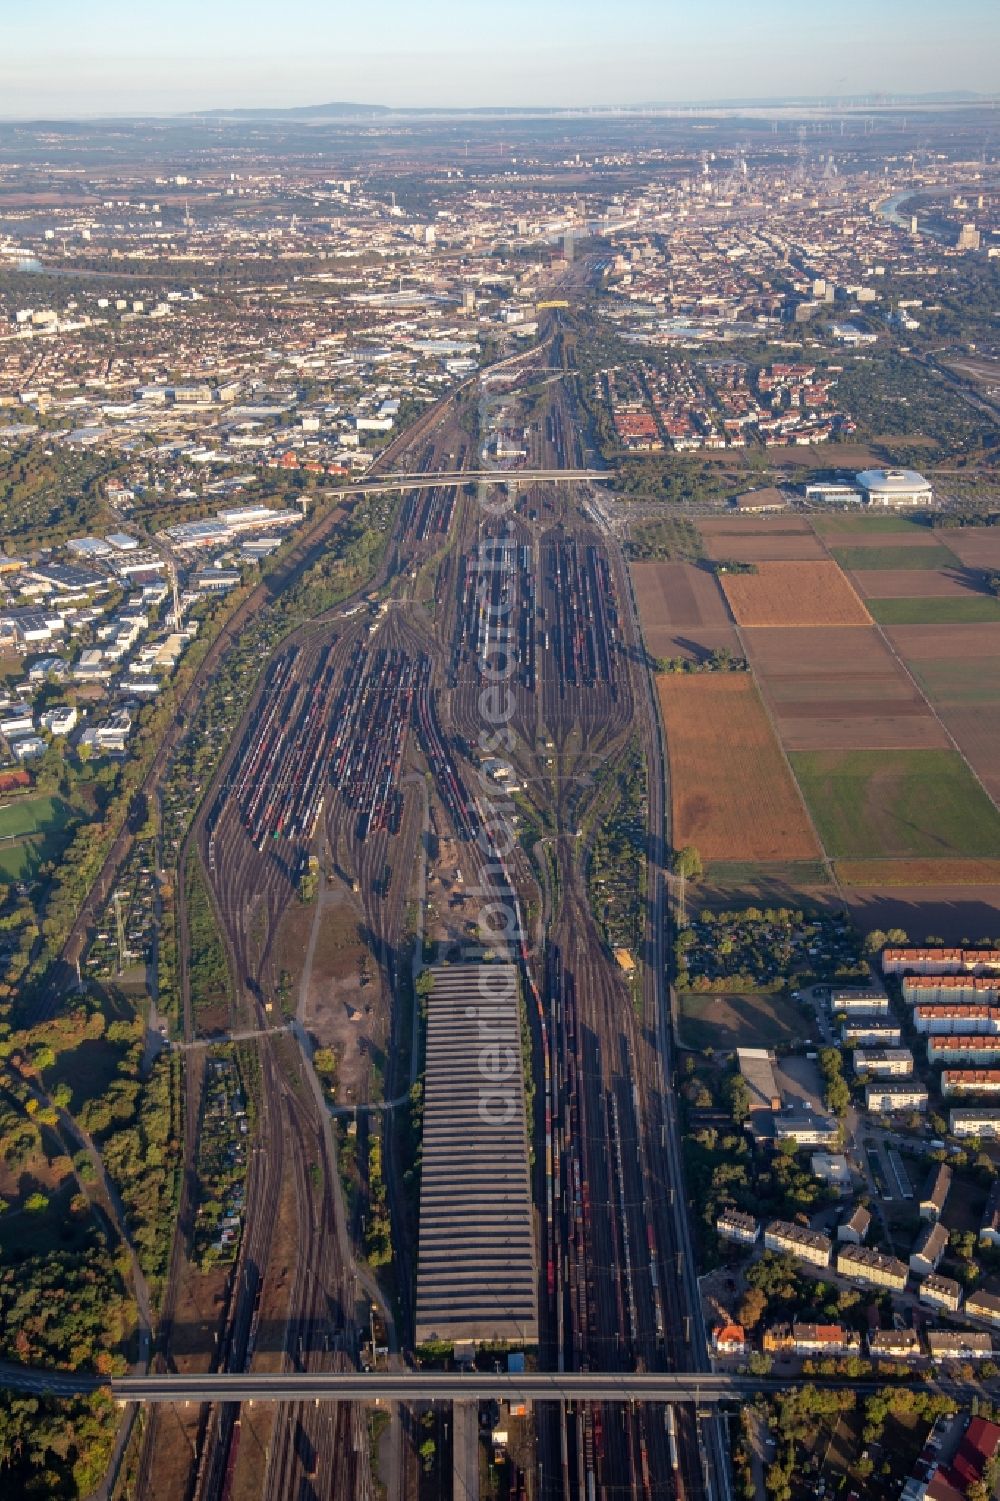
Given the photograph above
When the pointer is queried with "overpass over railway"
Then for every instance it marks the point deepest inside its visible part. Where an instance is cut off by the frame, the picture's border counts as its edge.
(426, 481)
(703, 1388)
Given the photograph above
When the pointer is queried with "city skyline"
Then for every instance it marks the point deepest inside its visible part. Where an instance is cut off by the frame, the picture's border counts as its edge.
(61, 61)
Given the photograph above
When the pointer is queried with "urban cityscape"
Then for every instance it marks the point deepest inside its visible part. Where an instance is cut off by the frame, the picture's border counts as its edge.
(500, 794)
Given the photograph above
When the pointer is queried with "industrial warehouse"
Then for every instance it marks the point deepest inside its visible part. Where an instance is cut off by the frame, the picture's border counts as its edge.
(476, 1277)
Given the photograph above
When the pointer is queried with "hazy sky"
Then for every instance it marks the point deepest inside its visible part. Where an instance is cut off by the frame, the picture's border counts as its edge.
(64, 57)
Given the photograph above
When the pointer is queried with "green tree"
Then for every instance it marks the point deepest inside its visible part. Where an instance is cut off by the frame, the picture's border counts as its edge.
(687, 863)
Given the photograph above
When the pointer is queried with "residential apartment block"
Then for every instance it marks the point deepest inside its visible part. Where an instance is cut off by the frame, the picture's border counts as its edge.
(873, 1268)
(883, 1063)
(795, 1240)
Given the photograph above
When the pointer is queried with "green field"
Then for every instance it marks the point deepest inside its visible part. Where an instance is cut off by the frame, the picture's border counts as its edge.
(33, 815)
(861, 558)
(733, 1021)
(851, 521)
(31, 830)
(953, 680)
(962, 609)
(897, 803)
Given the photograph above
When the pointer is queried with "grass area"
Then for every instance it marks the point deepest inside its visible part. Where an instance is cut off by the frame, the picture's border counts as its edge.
(958, 680)
(21, 861)
(31, 832)
(211, 992)
(33, 815)
(673, 537)
(897, 803)
(852, 521)
(928, 558)
(959, 610)
(731, 1021)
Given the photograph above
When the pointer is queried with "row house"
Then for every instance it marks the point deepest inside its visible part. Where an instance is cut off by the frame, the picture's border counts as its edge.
(811, 1339)
(940, 961)
(977, 1051)
(970, 1081)
(945, 1020)
(959, 989)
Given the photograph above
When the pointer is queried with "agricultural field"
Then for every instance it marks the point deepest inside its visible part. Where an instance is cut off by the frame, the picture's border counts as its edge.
(747, 542)
(967, 609)
(939, 583)
(977, 733)
(794, 594)
(954, 912)
(854, 529)
(929, 872)
(839, 688)
(921, 557)
(736, 525)
(683, 611)
(897, 804)
(731, 792)
(976, 546)
(960, 665)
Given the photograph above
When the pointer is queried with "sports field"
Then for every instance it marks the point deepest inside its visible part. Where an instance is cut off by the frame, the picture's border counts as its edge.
(29, 834)
(791, 594)
(731, 792)
(33, 815)
(897, 803)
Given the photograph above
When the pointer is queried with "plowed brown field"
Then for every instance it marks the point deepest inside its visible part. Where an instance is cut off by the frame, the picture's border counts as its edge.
(977, 546)
(764, 547)
(840, 688)
(788, 594)
(732, 794)
(918, 872)
(683, 611)
(752, 526)
(898, 583)
(977, 731)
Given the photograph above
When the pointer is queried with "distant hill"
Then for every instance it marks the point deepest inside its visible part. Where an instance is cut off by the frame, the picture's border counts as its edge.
(338, 111)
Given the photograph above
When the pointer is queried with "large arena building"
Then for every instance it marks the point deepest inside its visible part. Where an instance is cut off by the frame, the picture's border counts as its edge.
(895, 487)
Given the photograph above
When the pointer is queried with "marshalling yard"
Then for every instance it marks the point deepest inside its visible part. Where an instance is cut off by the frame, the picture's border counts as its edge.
(360, 759)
